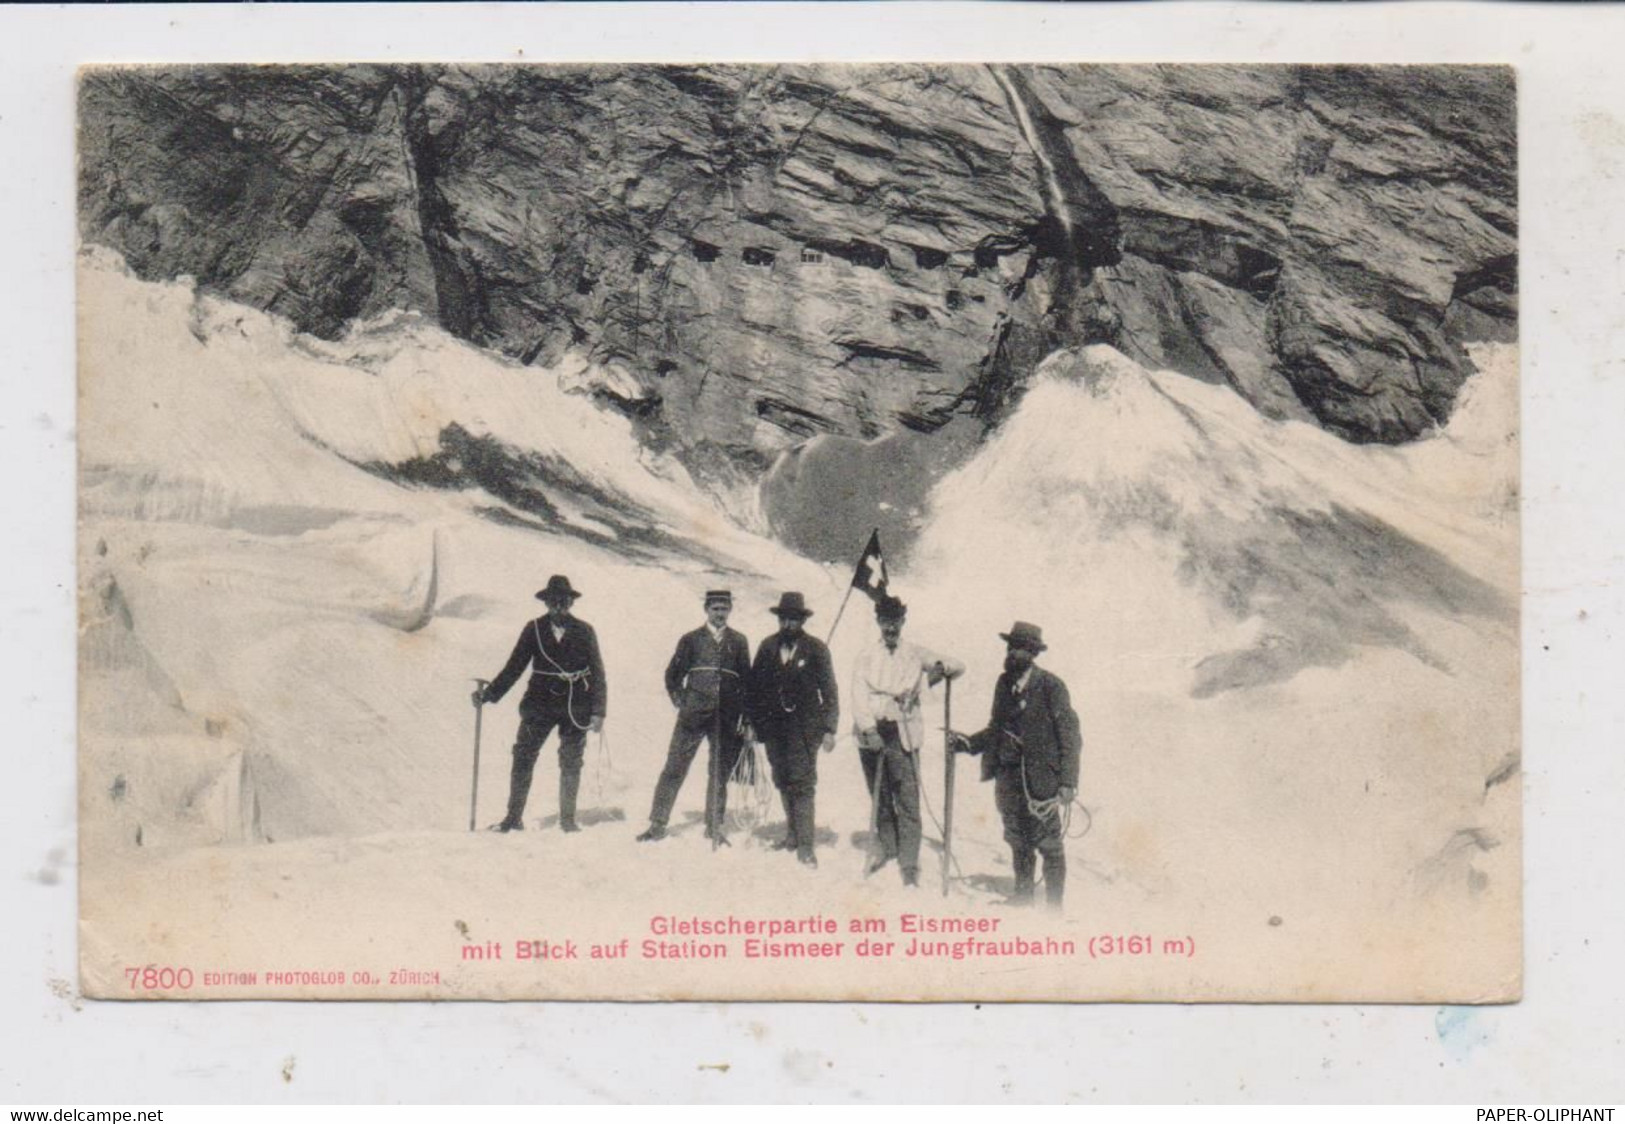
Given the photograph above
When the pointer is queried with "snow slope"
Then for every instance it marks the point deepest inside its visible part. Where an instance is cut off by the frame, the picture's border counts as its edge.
(319, 620)
(1295, 661)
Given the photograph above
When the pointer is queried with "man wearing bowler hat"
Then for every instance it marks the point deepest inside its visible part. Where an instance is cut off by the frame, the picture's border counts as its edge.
(1030, 752)
(706, 682)
(793, 707)
(567, 690)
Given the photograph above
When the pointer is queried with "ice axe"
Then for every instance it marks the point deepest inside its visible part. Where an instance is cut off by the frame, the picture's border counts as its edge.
(877, 849)
(715, 786)
(947, 782)
(479, 712)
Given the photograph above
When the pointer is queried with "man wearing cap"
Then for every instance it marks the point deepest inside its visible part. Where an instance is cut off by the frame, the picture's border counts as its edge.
(1030, 751)
(793, 707)
(886, 684)
(706, 682)
(567, 690)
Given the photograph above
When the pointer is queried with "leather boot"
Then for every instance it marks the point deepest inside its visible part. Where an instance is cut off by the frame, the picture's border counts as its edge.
(788, 843)
(1025, 863)
(801, 819)
(1054, 879)
(716, 806)
(518, 793)
(569, 786)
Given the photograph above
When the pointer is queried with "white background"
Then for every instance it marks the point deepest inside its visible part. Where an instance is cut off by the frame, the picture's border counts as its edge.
(1562, 1045)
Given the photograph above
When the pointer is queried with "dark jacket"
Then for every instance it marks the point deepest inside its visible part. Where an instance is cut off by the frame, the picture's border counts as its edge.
(799, 695)
(568, 674)
(709, 676)
(1037, 731)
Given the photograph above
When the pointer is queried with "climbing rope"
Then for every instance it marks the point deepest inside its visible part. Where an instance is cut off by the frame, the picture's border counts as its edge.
(751, 776)
(603, 766)
(1045, 809)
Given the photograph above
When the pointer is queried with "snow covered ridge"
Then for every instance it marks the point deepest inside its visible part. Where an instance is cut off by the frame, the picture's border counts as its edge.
(396, 396)
(1139, 506)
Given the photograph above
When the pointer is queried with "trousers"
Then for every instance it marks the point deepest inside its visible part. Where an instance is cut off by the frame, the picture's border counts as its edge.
(527, 746)
(897, 816)
(725, 745)
(1030, 836)
(792, 755)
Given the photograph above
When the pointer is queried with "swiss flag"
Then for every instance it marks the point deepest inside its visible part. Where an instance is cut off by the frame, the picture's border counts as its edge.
(871, 576)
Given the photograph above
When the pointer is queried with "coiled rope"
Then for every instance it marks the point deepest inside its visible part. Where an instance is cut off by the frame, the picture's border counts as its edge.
(571, 678)
(1046, 809)
(751, 775)
(603, 765)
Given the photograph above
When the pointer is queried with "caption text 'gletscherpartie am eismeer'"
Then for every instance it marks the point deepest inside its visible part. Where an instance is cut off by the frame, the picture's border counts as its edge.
(667, 937)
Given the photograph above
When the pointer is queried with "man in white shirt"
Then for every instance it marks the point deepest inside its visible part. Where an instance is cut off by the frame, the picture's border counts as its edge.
(706, 682)
(886, 686)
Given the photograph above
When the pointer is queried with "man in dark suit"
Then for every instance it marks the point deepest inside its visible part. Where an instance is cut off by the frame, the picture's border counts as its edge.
(1030, 752)
(793, 707)
(706, 682)
(567, 690)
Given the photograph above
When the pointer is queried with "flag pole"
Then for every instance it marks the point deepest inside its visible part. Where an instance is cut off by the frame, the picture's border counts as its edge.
(947, 783)
(838, 613)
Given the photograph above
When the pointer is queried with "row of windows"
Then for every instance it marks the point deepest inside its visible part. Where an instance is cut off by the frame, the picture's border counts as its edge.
(858, 253)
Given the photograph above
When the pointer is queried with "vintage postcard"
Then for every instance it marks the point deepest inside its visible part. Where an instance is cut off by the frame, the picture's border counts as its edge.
(888, 532)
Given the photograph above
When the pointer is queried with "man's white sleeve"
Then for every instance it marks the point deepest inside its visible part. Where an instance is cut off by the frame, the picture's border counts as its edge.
(863, 713)
(930, 659)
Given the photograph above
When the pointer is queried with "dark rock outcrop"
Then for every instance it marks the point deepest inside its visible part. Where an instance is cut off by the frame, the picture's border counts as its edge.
(757, 255)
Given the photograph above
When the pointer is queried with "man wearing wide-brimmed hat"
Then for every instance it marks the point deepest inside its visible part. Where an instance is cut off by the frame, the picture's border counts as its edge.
(1030, 752)
(793, 707)
(886, 685)
(567, 690)
(706, 682)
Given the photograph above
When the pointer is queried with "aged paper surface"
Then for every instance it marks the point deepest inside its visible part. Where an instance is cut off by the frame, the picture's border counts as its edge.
(1209, 373)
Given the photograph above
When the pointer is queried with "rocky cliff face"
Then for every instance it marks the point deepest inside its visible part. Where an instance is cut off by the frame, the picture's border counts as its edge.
(751, 256)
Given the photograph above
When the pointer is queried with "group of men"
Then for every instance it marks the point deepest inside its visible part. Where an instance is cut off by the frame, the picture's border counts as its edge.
(787, 699)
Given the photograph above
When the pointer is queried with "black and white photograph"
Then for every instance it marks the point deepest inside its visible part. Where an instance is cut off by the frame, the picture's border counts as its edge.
(806, 531)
